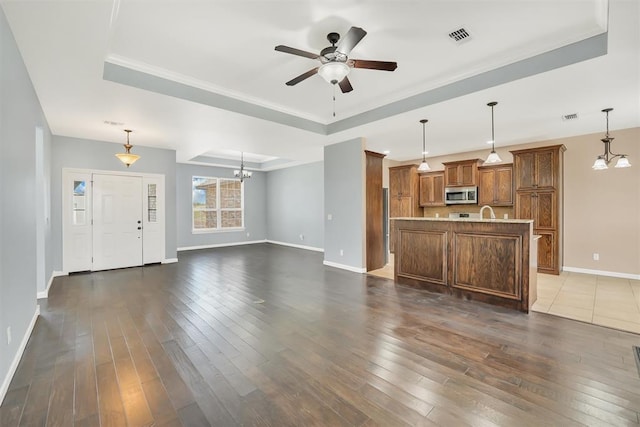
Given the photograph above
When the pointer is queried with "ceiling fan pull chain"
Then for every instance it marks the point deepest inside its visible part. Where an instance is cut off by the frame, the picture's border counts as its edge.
(334, 100)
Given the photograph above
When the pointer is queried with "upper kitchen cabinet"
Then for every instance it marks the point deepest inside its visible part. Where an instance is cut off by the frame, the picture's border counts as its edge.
(432, 189)
(461, 174)
(404, 191)
(537, 168)
(495, 185)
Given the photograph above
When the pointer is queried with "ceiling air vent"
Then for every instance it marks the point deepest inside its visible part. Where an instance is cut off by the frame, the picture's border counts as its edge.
(572, 116)
(460, 35)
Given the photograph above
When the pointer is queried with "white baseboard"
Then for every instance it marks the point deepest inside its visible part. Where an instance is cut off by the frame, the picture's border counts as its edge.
(293, 245)
(54, 274)
(16, 359)
(219, 245)
(169, 260)
(345, 267)
(602, 273)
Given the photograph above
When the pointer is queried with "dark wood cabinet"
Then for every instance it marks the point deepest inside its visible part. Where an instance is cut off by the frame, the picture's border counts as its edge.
(403, 195)
(495, 185)
(461, 174)
(473, 259)
(536, 168)
(540, 206)
(432, 189)
(538, 185)
(404, 191)
(374, 219)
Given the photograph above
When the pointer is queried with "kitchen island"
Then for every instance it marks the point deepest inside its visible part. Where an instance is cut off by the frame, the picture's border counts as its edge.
(489, 260)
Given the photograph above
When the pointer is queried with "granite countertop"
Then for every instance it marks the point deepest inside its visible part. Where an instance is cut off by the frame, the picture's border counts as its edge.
(510, 220)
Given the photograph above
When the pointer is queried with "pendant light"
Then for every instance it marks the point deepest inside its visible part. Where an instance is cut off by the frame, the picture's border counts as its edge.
(493, 156)
(603, 160)
(242, 173)
(127, 158)
(424, 166)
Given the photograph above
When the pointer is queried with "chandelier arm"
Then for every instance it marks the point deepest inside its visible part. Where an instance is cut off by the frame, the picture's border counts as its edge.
(607, 150)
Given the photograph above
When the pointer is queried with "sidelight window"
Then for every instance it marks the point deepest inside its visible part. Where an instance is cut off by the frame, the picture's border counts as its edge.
(217, 204)
(79, 203)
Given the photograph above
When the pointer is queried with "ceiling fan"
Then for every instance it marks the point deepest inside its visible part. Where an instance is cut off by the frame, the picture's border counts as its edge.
(335, 62)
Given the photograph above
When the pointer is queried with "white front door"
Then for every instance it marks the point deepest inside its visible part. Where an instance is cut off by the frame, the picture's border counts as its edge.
(117, 221)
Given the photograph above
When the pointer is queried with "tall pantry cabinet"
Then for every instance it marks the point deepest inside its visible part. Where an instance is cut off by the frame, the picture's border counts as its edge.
(404, 192)
(538, 184)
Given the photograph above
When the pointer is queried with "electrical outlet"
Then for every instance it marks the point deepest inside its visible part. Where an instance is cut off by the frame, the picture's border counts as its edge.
(248, 234)
(506, 216)
(8, 335)
(596, 256)
(302, 237)
(329, 217)
(341, 252)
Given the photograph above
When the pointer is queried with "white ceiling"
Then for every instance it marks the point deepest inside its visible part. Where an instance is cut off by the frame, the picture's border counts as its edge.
(203, 78)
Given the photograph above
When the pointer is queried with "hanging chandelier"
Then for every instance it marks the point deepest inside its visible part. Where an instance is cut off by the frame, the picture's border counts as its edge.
(127, 158)
(424, 166)
(242, 173)
(493, 156)
(603, 160)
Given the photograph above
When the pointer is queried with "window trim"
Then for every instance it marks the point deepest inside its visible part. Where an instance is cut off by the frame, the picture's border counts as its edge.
(218, 209)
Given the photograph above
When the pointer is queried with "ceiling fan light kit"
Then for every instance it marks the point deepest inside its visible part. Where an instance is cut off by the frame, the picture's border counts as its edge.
(334, 72)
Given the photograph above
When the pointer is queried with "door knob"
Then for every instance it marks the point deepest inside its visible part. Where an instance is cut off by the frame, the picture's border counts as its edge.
(139, 228)
(139, 222)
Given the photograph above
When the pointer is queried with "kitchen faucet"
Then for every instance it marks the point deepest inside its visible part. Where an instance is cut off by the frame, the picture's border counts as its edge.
(493, 215)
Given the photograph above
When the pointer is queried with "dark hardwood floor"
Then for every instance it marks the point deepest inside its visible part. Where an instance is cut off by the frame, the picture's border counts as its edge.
(267, 335)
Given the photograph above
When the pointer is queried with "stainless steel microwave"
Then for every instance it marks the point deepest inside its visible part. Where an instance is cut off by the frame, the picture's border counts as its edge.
(461, 195)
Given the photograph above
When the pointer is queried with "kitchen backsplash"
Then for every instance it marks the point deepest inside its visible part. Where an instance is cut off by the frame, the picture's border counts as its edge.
(443, 211)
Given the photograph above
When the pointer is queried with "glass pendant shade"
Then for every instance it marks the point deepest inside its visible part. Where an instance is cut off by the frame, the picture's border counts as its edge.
(623, 162)
(424, 167)
(493, 158)
(334, 72)
(600, 164)
(127, 158)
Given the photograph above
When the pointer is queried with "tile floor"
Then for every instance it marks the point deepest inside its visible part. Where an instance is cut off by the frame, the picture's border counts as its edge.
(601, 300)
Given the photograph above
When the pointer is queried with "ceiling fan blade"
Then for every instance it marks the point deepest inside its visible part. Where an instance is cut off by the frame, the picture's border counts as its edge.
(345, 85)
(302, 77)
(374, 65)
(351, 39)
(294, 51)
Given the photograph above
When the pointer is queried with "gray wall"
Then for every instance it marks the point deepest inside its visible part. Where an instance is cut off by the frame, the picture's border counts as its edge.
(87, 154)
(344, 184)
(20, 114)
(295, 205)
(255, 202)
